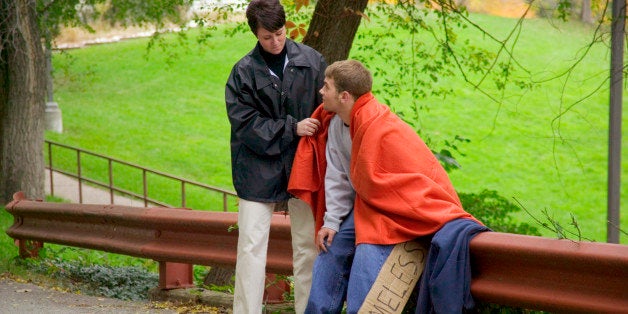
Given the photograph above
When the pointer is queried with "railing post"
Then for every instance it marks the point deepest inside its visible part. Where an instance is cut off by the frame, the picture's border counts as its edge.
(276, 289)
(175, 275)
(52, 189)
(145, 187)
(28, 248)
(79, 175)
(110, 168)
(183, 194)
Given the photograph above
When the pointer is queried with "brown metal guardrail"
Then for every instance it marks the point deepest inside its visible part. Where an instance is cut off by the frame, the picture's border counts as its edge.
(515, 270)
(173, 237)
(560, 276)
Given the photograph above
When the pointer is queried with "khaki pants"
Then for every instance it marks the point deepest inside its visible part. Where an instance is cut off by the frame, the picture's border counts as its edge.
(254, 227)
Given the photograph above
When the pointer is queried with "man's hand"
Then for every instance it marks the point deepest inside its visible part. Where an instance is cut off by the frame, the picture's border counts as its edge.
(307, 127)
(324, 238)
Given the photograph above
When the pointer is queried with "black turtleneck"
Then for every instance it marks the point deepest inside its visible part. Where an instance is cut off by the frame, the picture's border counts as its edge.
(275, 62)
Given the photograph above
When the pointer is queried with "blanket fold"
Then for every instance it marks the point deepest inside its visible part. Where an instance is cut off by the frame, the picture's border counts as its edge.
(402, 191)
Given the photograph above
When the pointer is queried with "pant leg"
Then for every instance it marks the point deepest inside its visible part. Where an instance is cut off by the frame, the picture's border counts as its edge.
(303, 251)
(253, 230)
(385, 276)
(331, 271)
(367, 263)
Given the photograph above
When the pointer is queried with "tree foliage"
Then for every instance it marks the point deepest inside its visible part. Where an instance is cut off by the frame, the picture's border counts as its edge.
(23, 25)
(54, 15)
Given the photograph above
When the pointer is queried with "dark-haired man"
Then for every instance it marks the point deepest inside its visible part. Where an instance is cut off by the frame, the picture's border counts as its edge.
(270, 95)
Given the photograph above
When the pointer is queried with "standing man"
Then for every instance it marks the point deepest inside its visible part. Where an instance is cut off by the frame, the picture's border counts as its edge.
(404, 203)
(270, 95)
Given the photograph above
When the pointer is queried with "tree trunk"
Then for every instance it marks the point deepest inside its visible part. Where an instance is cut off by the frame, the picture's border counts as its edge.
(586, 14)
(219, 276)
(333, 27)
(22, 101)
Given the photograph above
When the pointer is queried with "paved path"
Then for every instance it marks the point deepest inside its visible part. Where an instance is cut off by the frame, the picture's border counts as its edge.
(17, 297)
(67, 188)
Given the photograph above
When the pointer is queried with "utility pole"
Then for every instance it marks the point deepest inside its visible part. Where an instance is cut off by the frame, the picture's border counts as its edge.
(614, 128)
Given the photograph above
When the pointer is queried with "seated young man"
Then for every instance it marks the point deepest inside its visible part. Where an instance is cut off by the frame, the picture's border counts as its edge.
(403, 199)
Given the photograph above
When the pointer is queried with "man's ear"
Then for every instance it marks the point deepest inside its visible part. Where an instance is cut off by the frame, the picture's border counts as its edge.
(345, 97)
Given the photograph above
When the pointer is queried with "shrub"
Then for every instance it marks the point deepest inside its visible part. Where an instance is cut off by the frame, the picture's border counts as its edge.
(120, 282)
(495, 211)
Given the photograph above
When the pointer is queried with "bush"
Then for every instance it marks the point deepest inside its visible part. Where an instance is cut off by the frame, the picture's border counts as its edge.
(125, 283)
(495, 212)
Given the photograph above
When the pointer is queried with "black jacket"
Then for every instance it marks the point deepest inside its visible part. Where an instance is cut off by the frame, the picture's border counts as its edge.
(264, 112)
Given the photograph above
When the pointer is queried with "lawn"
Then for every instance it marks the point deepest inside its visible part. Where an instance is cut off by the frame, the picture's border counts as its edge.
(118, 101)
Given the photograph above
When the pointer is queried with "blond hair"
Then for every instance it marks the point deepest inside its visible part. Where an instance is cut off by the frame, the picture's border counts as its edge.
(351, 76)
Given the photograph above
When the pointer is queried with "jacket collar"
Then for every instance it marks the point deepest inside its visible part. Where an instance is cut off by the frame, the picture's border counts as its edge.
(296, 57)
(294, 53)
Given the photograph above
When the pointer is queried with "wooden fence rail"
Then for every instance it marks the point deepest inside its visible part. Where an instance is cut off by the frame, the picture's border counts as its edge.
(515, 270)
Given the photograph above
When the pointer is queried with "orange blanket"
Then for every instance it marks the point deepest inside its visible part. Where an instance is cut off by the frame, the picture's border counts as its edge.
(307, 177)
(402, 191)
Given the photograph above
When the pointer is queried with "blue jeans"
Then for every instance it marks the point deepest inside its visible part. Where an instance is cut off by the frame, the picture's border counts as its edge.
(330, 276)
(367, 263)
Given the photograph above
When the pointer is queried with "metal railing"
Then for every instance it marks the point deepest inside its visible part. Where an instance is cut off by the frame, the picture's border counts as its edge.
(113, 189)
(521, 271)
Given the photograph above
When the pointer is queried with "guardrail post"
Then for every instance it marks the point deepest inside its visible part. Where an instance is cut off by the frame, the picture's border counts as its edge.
(26, 248)
(175, 275)
(29, 248)
(276, 289)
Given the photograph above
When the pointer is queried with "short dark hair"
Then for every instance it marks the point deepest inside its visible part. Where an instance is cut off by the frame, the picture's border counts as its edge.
(351, 76)
(268, 14)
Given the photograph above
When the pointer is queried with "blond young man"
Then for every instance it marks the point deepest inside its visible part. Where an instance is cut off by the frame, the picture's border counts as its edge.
(404, 203)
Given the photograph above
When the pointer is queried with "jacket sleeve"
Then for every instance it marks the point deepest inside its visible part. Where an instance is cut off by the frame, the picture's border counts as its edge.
(256, 129)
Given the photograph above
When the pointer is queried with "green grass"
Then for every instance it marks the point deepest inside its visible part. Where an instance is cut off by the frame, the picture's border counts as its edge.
(8, 250)
(118, 103)
(516, 148)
